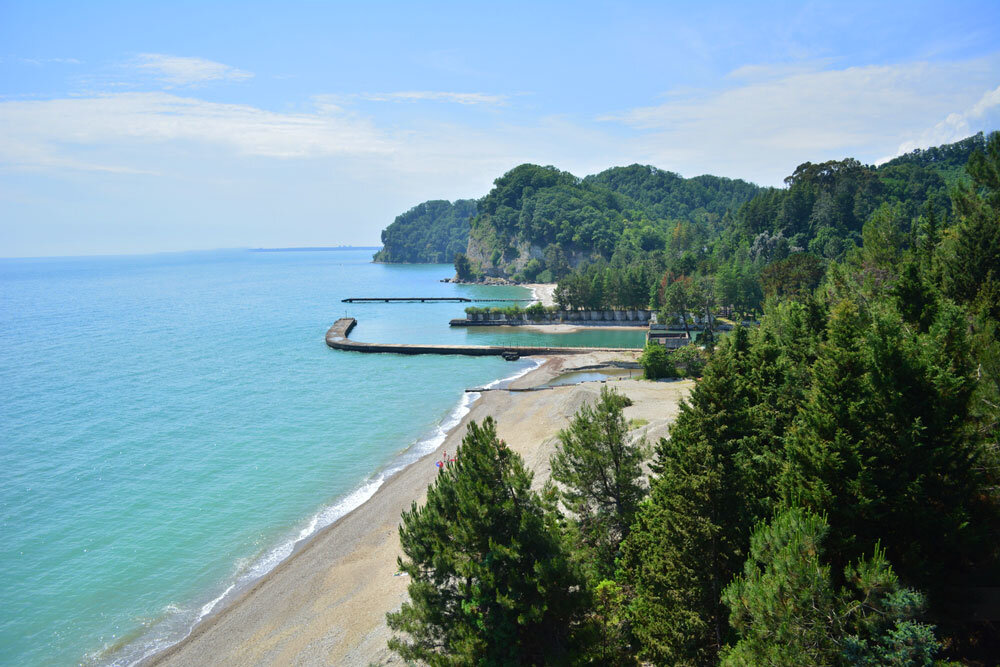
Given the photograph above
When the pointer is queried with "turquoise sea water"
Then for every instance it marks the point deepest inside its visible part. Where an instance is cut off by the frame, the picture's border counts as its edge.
(171, 425)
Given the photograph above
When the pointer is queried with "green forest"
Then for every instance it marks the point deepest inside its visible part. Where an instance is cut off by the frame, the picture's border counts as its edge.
(830, 491)
(621, 238)
(429, 233)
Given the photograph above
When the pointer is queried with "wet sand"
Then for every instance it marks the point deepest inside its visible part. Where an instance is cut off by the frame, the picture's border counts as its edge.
(326, 604)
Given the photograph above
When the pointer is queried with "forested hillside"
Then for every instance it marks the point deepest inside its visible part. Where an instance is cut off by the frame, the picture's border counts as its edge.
(639, 236)
(665, 195)
(948, 160)
(432, 232)
(830, 491)
(539, 223)
(780, 241)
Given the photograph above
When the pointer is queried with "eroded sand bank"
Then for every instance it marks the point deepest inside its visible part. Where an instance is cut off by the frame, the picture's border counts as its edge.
(326, 604)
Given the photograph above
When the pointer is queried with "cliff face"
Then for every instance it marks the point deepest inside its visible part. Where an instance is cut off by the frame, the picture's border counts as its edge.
(517, 260)
(539, 219)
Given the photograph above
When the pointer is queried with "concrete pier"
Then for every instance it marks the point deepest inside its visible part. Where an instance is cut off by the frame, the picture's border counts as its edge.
(422, 299)
(337, 338)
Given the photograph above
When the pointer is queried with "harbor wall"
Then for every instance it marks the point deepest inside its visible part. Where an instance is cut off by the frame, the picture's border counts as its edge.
(337, 338)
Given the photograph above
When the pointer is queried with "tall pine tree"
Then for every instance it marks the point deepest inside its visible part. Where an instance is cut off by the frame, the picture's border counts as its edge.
(882, 444)
(600, 471)
(973, 257)
(690, 537)
(490, 582)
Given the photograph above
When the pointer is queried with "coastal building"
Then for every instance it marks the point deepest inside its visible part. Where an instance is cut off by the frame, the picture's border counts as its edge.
(659, 334)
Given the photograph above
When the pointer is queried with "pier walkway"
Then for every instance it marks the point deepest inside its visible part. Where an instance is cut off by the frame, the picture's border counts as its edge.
(337, 338)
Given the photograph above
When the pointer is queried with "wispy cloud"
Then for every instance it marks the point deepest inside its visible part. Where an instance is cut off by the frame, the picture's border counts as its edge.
(184, 71)
(772, 119)
(39, 62)
(435, 96)
(955, 126)
(49, 133)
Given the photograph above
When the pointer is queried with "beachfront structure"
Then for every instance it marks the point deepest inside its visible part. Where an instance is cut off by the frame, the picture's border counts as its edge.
(659, 334)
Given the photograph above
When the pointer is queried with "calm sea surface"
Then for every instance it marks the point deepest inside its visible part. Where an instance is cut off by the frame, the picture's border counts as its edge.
(171, 425)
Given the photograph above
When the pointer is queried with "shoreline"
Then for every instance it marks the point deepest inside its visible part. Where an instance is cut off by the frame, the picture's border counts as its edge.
(452, 420)
(543, 293)
(326, 602)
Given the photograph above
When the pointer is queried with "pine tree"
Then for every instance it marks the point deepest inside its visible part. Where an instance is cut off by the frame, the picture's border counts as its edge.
(600, 471)
(689, 538)
(882, 444)
(783, 604)
(670, 561)
(490, 582)
(973, 258)
(786, 610)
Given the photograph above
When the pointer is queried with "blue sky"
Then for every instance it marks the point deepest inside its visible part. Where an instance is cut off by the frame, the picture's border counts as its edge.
(142, 127)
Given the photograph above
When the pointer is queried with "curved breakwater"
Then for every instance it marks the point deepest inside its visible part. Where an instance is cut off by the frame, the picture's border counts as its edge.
(337, 338)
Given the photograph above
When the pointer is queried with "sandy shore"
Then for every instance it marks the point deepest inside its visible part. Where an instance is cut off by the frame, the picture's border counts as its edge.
(326, 604)
(544, 292)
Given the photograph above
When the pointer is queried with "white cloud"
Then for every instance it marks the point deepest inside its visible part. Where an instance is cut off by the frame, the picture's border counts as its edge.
(53, 133)
(772, 119)
(182, 71)
(955, 126)
(759, 127)
(38, 62)
(435, 96)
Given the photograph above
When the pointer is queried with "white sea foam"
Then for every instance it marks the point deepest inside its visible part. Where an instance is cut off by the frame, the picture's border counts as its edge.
(249, 571)
(208, 607)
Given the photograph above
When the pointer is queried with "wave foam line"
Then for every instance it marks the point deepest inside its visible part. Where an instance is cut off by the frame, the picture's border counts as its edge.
(328, 515)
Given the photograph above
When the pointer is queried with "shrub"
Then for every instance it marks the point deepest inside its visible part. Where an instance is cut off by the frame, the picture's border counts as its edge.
(655, 362)
(689, 361)
(535, 311)
(512, 312)
(532, 269)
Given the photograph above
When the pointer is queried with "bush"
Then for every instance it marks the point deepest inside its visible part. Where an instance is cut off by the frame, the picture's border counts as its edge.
(463, 267)
(532, 269)
(656, 362)
(535, 311)
(512, 312)
(689, 361)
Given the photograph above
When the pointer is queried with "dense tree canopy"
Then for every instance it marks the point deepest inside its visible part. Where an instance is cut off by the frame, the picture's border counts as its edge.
(431, 232)
(830, 491)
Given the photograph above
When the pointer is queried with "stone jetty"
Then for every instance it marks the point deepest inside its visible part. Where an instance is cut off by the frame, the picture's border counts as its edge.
(337, 338)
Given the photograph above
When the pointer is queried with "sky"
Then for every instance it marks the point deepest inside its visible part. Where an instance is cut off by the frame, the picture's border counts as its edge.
(135, 127)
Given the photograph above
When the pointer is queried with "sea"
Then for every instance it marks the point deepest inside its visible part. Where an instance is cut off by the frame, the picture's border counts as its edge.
(173, 425)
